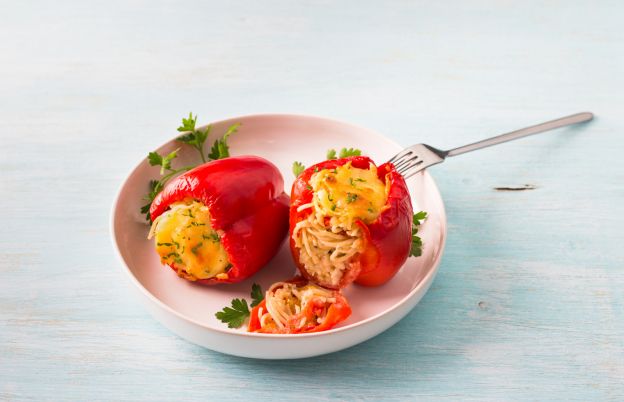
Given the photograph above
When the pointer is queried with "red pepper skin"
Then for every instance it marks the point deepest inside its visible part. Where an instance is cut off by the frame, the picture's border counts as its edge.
(248, 208)
(387, 239)
(336, 313)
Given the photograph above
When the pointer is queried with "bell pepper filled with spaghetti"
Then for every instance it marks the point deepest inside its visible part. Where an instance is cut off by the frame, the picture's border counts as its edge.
(221, 221)
(298, 306)
(351, 221)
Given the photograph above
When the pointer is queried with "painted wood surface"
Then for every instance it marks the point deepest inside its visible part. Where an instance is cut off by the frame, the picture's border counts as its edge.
(529, 301)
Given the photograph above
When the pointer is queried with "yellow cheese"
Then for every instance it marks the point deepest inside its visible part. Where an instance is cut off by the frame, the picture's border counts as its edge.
(348, 193)
(185, 237)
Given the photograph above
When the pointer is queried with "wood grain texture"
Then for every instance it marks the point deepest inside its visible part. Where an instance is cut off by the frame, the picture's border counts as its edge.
(528, 304)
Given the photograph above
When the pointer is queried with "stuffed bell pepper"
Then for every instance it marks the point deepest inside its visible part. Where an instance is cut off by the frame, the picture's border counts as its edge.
(221, 221)
(350, 221)
(298, 306)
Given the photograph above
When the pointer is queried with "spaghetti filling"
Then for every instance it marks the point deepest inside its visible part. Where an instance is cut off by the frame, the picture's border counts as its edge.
(293, 308)
(185, 239)
(328, 239)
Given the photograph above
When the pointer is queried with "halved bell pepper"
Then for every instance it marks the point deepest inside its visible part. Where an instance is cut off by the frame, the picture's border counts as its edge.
(298, 306)
(357, 220)
(221, 221)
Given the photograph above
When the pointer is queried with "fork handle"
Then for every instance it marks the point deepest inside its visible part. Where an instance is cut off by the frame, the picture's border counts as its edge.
(523, 132)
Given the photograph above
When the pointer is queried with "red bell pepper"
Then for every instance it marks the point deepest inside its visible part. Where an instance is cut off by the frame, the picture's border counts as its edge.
(320, 313)
(386, 240)
(248, 209)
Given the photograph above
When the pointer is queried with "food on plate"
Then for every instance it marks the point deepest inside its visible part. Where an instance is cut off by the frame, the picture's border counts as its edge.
(351, 221)
(298, 306)
(221, 221)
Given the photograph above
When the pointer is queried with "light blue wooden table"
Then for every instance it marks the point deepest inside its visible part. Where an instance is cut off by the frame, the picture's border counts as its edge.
(529, 300)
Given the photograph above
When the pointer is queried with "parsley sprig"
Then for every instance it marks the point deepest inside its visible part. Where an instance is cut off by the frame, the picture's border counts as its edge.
(416, 249)
(194, 137)
(344, 153)
(236, 315)
(256, 295)
(298, 167)
(220, 147)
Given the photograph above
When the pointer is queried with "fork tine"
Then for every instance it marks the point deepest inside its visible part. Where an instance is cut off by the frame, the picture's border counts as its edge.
(416, 158)
(403, 159)
(413, 169)
(400, 155)
(406, 162)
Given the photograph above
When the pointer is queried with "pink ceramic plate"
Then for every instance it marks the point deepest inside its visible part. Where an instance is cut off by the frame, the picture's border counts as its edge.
(188, 309)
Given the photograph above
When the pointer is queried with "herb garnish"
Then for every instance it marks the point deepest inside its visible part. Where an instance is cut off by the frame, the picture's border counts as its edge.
(297, 168)
(214, 237)
(416, 249)
(236, 315)
(220, 147)
(351, 197)
(194, 137)
(195, 249)
(256, 295)
(344, 153)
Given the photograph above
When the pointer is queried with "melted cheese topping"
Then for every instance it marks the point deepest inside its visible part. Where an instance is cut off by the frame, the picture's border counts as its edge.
(347, 193)
(287, 304)
(328, 239)
(184, 237)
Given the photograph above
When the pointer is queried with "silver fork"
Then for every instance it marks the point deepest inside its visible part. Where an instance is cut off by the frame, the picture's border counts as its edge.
(420, 156)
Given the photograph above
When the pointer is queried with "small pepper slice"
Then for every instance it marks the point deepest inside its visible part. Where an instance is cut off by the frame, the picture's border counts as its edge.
(297, 306)
(237, 202)
(350, 221)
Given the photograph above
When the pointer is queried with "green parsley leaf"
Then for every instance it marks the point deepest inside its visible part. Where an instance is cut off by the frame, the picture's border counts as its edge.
(220, 148)
(155, 187)
(188, 124)
(345, 152)
(416, 248)
(166, 161)
(201, 136)
(154, 159)
(419, 217)
(256, 295)
(331, 154)
(196, 139)
(145, 209)
(188, 138)
(351, 197)
(195, 249)
(236, 315)
(297, 168)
